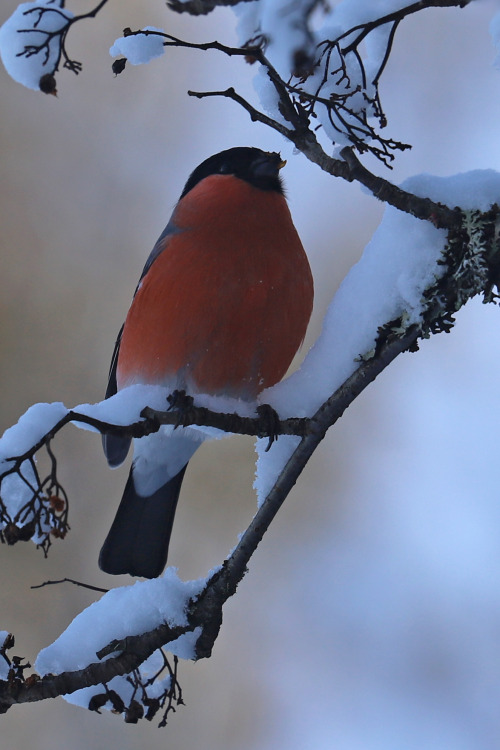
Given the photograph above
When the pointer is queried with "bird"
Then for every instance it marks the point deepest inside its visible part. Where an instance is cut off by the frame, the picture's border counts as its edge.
(221, 308)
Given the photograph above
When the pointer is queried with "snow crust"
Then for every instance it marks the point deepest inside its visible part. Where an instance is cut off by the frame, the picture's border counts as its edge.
(292, 35)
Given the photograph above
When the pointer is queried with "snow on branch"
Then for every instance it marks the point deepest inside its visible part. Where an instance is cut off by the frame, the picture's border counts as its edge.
(33, 42)
(424, 273)
(317, 68)
(412, 279)
(331, 91)
(34, 504)
(317, 71)
(111, 655)
(203, 7)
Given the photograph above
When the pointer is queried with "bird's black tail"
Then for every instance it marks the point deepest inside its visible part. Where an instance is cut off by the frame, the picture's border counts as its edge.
(138, 540)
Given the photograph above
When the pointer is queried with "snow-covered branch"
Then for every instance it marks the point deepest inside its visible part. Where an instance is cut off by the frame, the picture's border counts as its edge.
(33, 42)
(316, 68)
(201, 612)
(34, 506)
(318, 76)
(113, 668)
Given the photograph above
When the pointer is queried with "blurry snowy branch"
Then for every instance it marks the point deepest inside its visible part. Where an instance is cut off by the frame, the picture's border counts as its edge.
(202, 7)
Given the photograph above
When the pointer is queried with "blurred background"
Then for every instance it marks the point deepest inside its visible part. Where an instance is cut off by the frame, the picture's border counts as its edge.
(370, 616)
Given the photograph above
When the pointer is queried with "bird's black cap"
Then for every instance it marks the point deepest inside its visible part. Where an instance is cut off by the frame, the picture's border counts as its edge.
(259, 168)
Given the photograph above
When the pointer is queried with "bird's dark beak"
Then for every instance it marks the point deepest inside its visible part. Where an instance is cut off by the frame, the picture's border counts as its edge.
(275, 157)
(268, 165)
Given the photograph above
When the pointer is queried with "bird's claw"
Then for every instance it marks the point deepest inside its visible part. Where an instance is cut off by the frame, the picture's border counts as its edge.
(271, 422)
(179, 401)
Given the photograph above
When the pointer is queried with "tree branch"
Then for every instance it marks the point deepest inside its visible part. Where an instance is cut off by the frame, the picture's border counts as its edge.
(134, 650)
(255, 114)
(472, 261)
(469, 271)
(299, 133)
(205, 611)
(422, 208)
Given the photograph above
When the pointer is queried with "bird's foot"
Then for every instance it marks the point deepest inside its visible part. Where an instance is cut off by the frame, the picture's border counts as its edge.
(270, 423)
(179, 401)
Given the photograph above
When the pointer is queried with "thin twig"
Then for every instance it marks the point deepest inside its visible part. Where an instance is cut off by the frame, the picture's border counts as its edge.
(70, 580)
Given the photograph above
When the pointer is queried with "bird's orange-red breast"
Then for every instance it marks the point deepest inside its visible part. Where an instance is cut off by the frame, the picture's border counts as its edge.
(221, 308)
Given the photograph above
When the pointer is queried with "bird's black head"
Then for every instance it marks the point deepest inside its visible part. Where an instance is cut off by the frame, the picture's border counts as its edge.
(259, 168)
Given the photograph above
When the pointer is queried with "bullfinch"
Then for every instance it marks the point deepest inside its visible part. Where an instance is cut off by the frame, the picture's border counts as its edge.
(221, 308)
